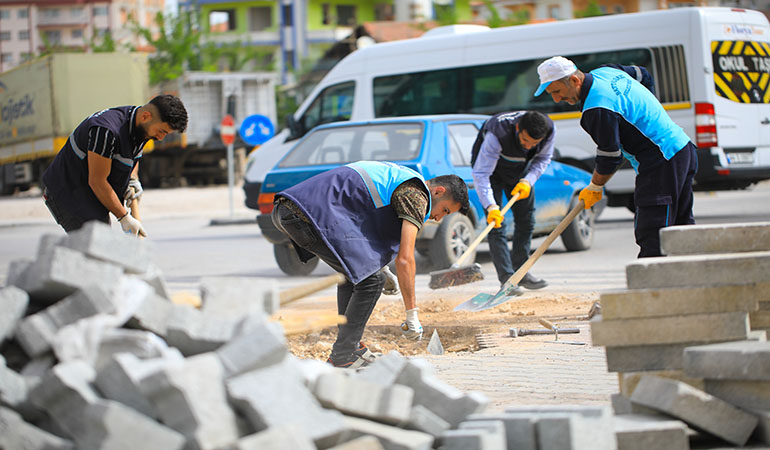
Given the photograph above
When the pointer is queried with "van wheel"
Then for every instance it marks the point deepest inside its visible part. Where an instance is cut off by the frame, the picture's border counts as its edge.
(579, 235)
(453, 237)
(289, 262)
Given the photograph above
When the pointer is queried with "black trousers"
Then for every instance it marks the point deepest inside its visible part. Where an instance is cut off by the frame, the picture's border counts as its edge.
(663, 198)
(67, 220)
(354, 301)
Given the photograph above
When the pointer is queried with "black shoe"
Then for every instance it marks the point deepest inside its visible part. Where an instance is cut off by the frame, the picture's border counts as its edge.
(357, 360)
(530, 282)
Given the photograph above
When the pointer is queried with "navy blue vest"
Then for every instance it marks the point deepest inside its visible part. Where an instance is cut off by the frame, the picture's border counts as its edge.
(513, 157)
(350, 208)
(67, 176)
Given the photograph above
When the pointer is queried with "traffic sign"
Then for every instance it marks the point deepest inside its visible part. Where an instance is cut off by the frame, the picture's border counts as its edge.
(256, 129)
(227, 129)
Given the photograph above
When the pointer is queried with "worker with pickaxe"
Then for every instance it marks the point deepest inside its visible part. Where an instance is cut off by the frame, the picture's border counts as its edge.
(357, 218)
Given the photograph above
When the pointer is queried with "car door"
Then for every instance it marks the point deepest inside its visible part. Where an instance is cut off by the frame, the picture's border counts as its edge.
(460, 137)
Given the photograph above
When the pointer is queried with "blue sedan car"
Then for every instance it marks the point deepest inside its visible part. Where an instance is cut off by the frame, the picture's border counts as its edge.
(431, 145)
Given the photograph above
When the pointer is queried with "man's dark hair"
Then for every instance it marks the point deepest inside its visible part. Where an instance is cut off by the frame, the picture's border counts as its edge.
(456, 188)
(535, 123)
(171, 111)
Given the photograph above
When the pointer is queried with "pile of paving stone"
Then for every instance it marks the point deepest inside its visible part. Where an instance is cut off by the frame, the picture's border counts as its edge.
(688, 339)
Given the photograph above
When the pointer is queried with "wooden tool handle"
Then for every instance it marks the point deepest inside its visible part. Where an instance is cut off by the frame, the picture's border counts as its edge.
(134, 206)
(299, 292)
(547, 323)
(519, 274)
(483, 234)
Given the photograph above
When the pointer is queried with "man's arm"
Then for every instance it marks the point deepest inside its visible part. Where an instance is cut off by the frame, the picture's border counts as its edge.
(486, 162)
(99, 169)
(406, 268)
(542, 159)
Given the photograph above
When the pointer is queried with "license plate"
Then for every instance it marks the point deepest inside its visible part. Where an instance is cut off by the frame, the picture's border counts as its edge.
(740, 158)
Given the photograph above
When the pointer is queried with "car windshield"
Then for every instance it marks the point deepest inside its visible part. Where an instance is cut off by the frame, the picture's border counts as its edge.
(384, 142)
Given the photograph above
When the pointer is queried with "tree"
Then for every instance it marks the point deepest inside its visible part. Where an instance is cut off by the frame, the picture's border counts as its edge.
(593, 9)
(177, 45)
(496, 20)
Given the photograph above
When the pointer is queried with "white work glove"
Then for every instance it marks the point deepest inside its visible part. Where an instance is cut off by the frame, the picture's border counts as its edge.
(391, 282)
(136, 192)
(411, 328)
(131, 226)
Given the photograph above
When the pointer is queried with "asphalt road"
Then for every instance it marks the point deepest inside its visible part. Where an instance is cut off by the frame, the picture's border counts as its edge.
(188, 247)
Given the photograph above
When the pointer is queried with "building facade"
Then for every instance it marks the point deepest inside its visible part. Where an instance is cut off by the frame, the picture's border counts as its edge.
(28, 28)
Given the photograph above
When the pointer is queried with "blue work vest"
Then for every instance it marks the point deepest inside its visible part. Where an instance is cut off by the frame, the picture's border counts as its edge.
(67, 176)
(350, 208)
(616, 91)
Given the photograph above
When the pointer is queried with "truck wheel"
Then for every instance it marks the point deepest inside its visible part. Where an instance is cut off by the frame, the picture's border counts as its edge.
(453, 237)
(289, 262)
(579, 235)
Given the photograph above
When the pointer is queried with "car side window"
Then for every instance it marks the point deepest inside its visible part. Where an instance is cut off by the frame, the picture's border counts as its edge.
(461, 139)
(333, 104)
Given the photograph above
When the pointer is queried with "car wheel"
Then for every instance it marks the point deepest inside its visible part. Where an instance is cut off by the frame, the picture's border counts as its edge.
(453, 237)
(579, 235)
(289, 262)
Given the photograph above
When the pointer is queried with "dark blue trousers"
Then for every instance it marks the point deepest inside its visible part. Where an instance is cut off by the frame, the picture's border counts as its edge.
(663, 197)
(507, 262)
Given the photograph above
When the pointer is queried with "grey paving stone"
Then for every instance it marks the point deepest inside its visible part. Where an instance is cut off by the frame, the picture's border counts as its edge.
(14, 303)
(446, 401)
(385, 369)
(121, 378)
(47, 242)
(13, 387)
(99, 241)
(277, 438)
(154, 277)
(362, 398)
(593, 424)
(361, 443)
(62, 272)
(16, 434)
(637, 303)
(425, 420)
(715, 238)
(112, 425)
(744, 394)
(17, 271)
(494, 430)
(190, 398)
(698, 270)
(264, 344)
(276, 395)
(154, 313)
(471, 439)
(622, 406)
(239, 296)
(760, 320)
(762, 433)
(561, 431)
(715, 327)
(520, 428)
(641, 432)
(391, 438)
(627, 381)
(193, 332)
(741, 360)
(695, 407)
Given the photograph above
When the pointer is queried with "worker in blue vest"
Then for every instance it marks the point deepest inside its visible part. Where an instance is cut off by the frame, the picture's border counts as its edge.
(624, 118)
(511, 152)
(98, 167)
(357, 218)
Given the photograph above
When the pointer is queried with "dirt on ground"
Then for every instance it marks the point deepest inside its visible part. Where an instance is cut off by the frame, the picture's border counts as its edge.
(459, 331)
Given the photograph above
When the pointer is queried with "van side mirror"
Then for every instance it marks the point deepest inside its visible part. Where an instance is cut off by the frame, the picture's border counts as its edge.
(294, 127)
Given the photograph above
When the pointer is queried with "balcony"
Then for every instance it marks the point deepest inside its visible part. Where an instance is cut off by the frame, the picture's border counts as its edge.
(62, 20)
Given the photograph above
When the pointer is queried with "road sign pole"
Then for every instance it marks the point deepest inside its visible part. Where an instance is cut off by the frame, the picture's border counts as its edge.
(230, 176)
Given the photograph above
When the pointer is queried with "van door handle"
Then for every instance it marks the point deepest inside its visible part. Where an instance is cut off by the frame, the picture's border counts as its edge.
(765, 121)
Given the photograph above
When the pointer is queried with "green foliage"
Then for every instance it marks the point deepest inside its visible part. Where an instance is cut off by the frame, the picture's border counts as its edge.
(286, 104)
(107, 44)
(496, 20)
(177, 45)
(445, 15)
(592, 10)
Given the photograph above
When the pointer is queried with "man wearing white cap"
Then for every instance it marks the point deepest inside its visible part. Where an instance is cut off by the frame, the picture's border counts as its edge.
(625, 119)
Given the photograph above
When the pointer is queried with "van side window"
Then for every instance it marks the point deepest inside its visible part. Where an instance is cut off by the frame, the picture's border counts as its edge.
(433, 92)
(333, 104)
(461, 139)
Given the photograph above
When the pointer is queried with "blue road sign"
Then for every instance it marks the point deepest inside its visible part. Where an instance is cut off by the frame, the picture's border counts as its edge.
(256, 129)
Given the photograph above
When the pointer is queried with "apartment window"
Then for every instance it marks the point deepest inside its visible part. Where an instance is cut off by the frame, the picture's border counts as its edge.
(222, 20)
(24, 35)
(5, 35)
(26, 56)
(554, 12)
(6, 58)
(346, 15)
(326, 14)
(260, 18)
(76, 33)
(22, 13)
(53, 36)
(288, 17)
(101, 32)
(100, 10)
(76, 12)
(50, 13)
(5, 14)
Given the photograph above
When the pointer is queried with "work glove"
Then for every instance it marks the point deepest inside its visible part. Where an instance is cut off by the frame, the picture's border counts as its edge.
(494, 215)
(131, 226)
(523, 188)
(591, 194)
(391, 282)
(411, 327)
(134, 190)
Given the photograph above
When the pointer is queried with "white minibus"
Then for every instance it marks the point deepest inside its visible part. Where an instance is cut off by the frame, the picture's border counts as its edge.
(711, 67)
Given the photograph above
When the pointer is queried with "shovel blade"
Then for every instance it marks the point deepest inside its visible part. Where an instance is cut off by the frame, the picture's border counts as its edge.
(501, 297)
(473, 303)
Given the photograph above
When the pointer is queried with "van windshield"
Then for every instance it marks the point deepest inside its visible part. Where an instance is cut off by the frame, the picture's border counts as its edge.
(342, 145)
